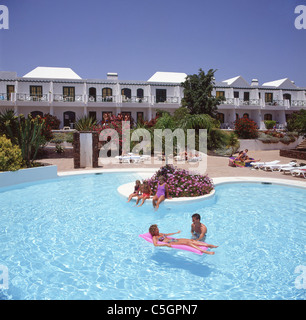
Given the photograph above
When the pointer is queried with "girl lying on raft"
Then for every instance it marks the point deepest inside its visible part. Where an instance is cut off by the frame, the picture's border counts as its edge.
(163, 237)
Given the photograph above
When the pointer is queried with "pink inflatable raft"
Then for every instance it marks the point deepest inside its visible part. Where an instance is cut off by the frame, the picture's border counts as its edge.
(147, 236)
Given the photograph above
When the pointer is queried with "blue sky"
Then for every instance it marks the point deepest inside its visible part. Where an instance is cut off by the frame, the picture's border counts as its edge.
(136, 38)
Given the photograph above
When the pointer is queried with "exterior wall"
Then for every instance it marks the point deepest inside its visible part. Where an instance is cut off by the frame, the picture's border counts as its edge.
(10, 178)
(55, 103)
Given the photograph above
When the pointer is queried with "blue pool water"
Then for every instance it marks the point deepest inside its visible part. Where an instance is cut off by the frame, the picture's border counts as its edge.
(76, 238)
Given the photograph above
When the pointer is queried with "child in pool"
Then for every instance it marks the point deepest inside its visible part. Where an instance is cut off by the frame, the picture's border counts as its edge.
(136, 191)
(146, 193)
(163, 237)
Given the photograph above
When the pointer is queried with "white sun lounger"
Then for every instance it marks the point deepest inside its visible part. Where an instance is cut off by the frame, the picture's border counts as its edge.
(299, 172)
(290, 169)
(258, 165)
(278, 167)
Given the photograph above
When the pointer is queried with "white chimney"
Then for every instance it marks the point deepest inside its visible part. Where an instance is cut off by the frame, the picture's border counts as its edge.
(254, 83)
(112, 76)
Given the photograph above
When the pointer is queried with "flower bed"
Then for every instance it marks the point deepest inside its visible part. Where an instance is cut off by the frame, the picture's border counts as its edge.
(181, 182)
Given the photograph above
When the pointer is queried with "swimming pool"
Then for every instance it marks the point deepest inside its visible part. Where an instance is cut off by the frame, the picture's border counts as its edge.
(76, 238)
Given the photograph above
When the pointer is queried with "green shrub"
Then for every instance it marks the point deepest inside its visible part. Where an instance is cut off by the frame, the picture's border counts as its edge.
(10, 156)
(270, 124)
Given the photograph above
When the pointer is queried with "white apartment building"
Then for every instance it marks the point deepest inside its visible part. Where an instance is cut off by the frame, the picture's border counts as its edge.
(61, 92)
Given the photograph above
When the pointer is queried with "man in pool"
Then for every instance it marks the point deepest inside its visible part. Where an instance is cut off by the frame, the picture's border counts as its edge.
(198, 229)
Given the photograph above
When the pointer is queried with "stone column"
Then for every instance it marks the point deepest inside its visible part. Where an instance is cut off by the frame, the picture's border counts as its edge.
(85, 149)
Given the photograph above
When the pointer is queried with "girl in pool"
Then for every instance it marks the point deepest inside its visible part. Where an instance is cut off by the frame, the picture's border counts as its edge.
(163, 237)
(162, 192)
(146, 193)
(136, 191)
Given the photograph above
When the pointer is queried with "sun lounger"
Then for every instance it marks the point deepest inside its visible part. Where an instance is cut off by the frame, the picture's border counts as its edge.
(278, 167)
(290, 169)
(299, 172)
(258, 165)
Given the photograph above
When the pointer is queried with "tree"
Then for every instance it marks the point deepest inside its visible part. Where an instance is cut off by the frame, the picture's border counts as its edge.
(197, 93)
(297, 122)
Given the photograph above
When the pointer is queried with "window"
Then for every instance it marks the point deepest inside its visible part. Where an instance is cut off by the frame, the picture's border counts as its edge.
(34, 114)
(126, 94)
(220, 117)
(93, 115)
(107, 95)
(36, 92)
(140, 117)
(69, 93)
(69, 118)
(140, 93)
(268, 116)
(92, 94)
(9, 90)
(161, 95)
(236, 94)
(268, 97)
(220, 94)
(246, 96)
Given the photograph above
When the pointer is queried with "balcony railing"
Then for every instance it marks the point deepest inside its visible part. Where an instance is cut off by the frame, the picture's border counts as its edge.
(96, 98)
(64, 98)
(31, 97)
(167, 100)
(135, 99)
(298, 103)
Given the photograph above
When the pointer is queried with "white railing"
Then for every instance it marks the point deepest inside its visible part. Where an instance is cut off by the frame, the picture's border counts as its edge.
(298, 103)
(29, 97)
(64, 98)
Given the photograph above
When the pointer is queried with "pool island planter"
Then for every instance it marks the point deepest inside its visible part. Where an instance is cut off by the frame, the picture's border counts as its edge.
(126, 189)
(11, 178)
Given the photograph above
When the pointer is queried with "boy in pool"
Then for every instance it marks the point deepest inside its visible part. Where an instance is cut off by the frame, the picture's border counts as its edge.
(198, 229)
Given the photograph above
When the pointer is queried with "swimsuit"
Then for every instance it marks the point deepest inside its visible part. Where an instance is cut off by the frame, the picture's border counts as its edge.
(162, 238)
(160, 190)
(146, 195)
(196, 236)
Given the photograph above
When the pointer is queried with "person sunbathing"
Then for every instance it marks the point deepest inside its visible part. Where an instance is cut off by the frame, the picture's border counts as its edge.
(168, 242)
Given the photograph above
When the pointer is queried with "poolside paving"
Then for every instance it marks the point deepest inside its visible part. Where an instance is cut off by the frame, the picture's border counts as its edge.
(216, 166)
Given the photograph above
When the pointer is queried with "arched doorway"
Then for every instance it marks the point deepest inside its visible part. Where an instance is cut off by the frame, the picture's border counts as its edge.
(287, 96)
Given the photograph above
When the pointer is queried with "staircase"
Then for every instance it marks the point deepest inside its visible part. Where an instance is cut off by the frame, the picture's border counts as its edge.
(302, 145)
